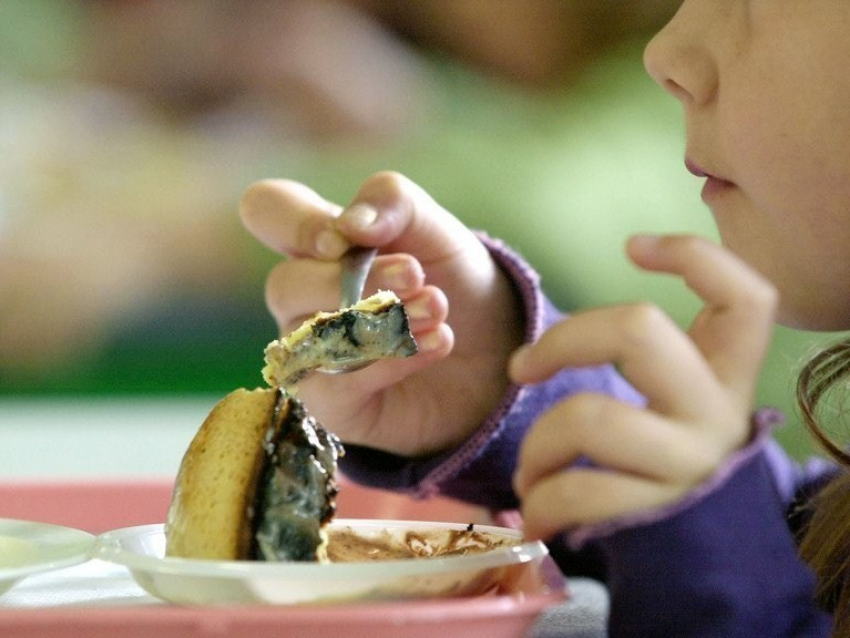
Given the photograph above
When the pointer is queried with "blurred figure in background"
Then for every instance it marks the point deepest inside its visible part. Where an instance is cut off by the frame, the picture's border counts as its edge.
(128, 131)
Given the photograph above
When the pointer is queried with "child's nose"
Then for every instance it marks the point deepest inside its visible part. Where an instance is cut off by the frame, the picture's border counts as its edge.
(679, 60)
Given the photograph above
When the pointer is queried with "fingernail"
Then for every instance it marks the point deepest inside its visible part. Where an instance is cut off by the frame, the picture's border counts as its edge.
(331, 243)
(395, 277)
(429, 342)
(418, 309)
(360, 216)
(644, 241)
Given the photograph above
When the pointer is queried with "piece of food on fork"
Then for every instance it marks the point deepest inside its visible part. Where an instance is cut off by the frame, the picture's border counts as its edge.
(374, 328)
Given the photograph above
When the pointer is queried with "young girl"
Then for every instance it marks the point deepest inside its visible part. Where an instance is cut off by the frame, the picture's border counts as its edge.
(668, 487)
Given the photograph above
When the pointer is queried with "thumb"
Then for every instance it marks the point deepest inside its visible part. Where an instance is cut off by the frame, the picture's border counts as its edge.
(391, 211)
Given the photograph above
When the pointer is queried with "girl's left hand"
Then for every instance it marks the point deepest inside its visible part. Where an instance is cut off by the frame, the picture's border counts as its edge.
(698, 386)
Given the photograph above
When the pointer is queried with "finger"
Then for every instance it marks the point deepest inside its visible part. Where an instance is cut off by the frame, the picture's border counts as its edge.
(733, 330)
(362, 388)
(298, 288)
(432, 345)
(584, 496)
(426, 310)
(398, 272)
(612, 434)
(406, 220)
(649, 349)
(292, 219)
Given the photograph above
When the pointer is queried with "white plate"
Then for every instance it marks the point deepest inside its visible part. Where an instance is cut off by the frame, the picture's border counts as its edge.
(28, 548)
(187, 581)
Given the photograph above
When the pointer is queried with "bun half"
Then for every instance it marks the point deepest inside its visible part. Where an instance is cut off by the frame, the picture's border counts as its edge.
(212, 505)
(258, 482)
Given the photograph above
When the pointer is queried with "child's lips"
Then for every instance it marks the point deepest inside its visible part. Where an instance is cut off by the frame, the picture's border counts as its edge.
(695, 169)
(714, 185)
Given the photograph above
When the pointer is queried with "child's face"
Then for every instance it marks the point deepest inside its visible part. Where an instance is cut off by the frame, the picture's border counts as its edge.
(765, 86)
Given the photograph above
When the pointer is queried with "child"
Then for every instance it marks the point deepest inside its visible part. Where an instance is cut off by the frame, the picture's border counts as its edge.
(671, 492)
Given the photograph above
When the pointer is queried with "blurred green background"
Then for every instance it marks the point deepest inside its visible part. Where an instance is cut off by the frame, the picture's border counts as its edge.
(123, 268)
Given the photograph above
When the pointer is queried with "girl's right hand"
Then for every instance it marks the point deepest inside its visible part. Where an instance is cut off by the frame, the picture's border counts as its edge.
(463, 311)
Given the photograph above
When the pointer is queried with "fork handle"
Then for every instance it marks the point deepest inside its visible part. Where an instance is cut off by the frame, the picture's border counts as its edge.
(356, 263)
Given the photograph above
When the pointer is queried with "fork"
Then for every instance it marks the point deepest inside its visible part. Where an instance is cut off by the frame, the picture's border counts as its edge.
(356, 263)
(355, 268)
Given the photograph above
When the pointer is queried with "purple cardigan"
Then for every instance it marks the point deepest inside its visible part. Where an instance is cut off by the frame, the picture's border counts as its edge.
(721, 562)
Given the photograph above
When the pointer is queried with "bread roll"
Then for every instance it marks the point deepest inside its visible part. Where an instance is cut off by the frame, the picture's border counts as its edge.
(258, 462)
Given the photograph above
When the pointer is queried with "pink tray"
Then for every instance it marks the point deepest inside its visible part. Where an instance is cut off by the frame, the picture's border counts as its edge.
(485, 617)
(98, 506)
(104, 505)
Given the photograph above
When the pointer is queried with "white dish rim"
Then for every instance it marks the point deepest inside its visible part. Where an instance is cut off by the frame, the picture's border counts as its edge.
(70, 547)
(109, 547)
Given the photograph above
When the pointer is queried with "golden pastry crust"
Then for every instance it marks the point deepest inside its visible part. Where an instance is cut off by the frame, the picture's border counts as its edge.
(211, 509)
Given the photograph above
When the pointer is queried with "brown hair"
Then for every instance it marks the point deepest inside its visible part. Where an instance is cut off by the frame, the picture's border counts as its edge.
(826, 543)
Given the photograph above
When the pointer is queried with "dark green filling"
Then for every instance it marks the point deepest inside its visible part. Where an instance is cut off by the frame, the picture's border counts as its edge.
(359, 336)
(297, 491)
